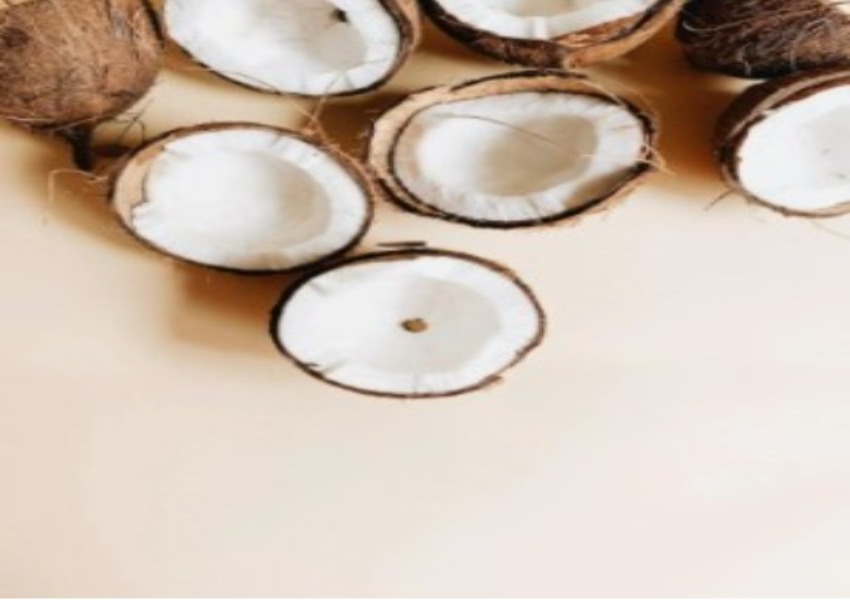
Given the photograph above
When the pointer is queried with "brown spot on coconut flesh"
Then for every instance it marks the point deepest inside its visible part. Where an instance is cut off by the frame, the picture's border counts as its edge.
(415, 325)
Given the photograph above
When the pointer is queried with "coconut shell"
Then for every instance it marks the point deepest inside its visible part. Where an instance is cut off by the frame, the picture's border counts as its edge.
(387, 129)
(128, 186)
(71, 63)
(404, 253)
(765, 38)
(571, 51)
(407, 16)
(756, 104)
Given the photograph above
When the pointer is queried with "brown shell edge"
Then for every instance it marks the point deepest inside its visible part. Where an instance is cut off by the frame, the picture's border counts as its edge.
(755, 105)
(576, 50)
(123, 201)
(409, 19)
(408, 254)
(386, 129)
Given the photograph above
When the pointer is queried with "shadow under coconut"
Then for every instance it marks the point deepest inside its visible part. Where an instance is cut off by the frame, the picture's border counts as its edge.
(347, 122)
(226, 311)
(689, 103)
(77, 198)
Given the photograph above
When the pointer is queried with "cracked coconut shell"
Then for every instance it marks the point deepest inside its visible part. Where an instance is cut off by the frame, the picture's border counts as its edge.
(559, 37)
(785, 144)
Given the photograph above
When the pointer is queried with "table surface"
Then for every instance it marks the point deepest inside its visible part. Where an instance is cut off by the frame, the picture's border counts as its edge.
(683, 431)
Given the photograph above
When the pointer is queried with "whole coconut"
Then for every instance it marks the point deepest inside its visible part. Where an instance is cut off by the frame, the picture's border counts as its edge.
(66, 65)
(765, 38)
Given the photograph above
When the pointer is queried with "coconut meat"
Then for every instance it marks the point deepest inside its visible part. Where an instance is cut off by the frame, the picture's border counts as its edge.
(798, 156)
(311, 47)
(541, 19)
(430, 325)
(518, 157)
(249, 199)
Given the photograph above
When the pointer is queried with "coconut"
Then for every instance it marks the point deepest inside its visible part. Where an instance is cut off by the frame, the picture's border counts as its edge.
(765, 38)
(68, 65)
(552, 33)
(513, 150)
(244, 197)
(786, 143)
(305, 47)
(409, 323)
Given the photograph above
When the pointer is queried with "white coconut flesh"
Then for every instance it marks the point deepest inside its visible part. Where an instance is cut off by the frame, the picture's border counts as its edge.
(249, 199)
(798, 156)
(310, 47)
(541, 19)
(427, 326)
(518, 157)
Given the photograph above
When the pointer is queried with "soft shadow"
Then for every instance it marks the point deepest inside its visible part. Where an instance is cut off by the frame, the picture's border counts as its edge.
(69, 195)
(225, 311)
(346, 122)
(689, 103)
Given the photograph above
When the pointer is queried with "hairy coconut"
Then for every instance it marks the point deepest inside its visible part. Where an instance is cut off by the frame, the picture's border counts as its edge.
(513, 150)
(66, 65)
(765, 38)
(244, 197)
(409, 323)
(552, 33)
(305, 47)
(786, 143)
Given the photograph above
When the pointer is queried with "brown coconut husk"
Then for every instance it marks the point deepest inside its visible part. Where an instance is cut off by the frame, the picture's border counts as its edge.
(66, 65)
(765, 38)
(756, 104)
(127, 187)
(388, 127)
(571, 51)
(407, 252)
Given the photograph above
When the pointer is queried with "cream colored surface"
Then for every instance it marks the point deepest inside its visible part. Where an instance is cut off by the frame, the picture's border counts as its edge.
(683, 431)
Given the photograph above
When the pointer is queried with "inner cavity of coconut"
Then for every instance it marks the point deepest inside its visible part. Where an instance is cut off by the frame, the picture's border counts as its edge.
(311, 47)
(249, 200)
(542, 19)
(518, 157)
(798, 157)
(430, 325)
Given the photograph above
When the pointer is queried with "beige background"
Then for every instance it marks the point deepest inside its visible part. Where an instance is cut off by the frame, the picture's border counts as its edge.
(684, 430)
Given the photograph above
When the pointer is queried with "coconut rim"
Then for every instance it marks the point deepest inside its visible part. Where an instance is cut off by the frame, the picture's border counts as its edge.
(382, 144)
(123, 208)
(407, 18)
(403, 253)
(755, 106)
(561, 51)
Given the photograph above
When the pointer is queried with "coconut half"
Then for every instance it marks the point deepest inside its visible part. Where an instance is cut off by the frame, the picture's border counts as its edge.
(765, 38)
(244, 197)
(786, 143)
(514, 150)
(71, 64)
(306, 47)
(552, 33)
(411, 323)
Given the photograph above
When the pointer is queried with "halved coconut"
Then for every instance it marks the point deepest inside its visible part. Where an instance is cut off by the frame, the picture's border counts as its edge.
(765, 38)
(67, 65)
(552, 33)
(513, 150)
(306, 47)
(786, 143)
(244, 197)
(410, 323)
